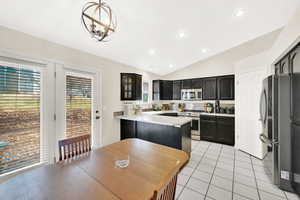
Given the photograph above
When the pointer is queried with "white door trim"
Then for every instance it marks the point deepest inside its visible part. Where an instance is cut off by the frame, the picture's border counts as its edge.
(61, 72)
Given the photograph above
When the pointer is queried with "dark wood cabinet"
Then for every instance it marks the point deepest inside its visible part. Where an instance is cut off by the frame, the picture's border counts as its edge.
(217, 129)
(277, 69)
(213, 88)
(225, 130)
(162, 90)
(167, 90)
(284, 66)
(295, 78)
(128, 129)
(208, 128)
(131, 86)
(176, 90)
(225, 85)
(210, 89)
(175, 137)
(197, 83)
(186, 84)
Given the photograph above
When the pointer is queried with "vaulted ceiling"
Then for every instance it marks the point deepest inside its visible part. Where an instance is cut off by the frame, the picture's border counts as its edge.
(158, 35)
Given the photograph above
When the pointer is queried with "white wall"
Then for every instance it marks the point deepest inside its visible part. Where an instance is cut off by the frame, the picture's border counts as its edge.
(38, 49)
(249, 75)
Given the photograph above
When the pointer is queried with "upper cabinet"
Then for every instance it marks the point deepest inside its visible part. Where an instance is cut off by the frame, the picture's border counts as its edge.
(131, 87)
(295, 60)
(209, 89)
(176, 90)
(225, 85)
(187, 84)
(284, 68)
(162, 90)
(197, 83)
(213, 88)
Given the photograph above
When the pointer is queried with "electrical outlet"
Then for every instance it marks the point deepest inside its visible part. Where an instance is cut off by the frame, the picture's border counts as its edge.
(285, 175)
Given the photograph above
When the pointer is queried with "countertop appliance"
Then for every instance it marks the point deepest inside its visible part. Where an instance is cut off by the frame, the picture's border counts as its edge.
(191, 94)
(280, 117)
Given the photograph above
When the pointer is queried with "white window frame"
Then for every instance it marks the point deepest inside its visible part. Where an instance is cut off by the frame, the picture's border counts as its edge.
(44, 140)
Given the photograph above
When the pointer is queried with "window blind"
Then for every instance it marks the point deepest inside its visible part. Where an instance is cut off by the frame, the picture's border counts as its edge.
(19, 118)
(78, 106)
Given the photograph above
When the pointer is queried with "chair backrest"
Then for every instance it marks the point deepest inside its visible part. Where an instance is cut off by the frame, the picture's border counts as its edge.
(168, 190)
(74, 146)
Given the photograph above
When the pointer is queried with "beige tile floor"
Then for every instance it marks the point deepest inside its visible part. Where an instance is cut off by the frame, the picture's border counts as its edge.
(220, 172)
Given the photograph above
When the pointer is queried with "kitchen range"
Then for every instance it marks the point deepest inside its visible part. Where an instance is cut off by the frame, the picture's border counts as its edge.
(210, 126)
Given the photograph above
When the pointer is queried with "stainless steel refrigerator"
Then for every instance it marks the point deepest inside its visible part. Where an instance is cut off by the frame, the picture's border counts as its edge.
(280, 117)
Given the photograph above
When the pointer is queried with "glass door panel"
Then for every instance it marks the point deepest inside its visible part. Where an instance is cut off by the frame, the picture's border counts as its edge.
(78, 106)
(20, 127)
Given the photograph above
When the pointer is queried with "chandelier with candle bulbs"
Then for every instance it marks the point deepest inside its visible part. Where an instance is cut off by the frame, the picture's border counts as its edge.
(99, 20)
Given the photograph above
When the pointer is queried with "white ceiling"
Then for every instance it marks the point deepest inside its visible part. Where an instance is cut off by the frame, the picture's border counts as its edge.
(152, 26)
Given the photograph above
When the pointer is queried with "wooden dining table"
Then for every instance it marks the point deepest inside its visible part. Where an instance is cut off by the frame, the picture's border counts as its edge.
(95, 176)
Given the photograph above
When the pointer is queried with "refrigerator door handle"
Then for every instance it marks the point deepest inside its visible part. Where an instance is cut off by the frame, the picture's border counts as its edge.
(265, 140)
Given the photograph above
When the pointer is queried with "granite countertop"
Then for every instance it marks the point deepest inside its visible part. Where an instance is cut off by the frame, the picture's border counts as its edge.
(157, 119)
(202, 113)
(218, 114)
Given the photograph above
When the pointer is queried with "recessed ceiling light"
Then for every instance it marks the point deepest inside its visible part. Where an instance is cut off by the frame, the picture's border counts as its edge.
(239, 12)
(204, 50)
(152, 51)
(171, 66)
(181, 34)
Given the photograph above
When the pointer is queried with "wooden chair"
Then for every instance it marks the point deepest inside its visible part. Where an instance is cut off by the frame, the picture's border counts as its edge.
(74, 146)
(168, 190)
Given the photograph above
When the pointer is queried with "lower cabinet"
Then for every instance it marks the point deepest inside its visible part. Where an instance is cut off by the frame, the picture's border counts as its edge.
(208, 128)
(217, 129)
(128, 129)
(175, 137)
(225, 130)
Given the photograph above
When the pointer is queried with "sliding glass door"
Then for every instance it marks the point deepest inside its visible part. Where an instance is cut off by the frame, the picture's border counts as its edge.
(20, 116)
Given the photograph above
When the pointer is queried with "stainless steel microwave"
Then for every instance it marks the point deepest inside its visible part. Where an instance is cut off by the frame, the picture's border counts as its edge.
(191, 94)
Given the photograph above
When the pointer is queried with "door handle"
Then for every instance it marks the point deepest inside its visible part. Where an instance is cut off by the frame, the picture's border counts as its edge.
(265, 140)
(97, 117)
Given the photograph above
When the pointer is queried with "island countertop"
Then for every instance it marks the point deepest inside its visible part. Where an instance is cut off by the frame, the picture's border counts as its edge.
(157, 119)
(201, 113)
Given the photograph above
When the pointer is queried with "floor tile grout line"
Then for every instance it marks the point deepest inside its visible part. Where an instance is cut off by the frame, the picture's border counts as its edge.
(251, 157)
(255, 179)
(233, 175)
(252, 163)
(184, 186)
(212, 175)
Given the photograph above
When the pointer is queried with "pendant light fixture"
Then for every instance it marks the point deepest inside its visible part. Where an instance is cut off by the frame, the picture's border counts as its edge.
(98, 19)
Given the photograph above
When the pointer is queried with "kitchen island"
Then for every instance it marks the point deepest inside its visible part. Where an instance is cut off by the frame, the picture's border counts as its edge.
(170, 131)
